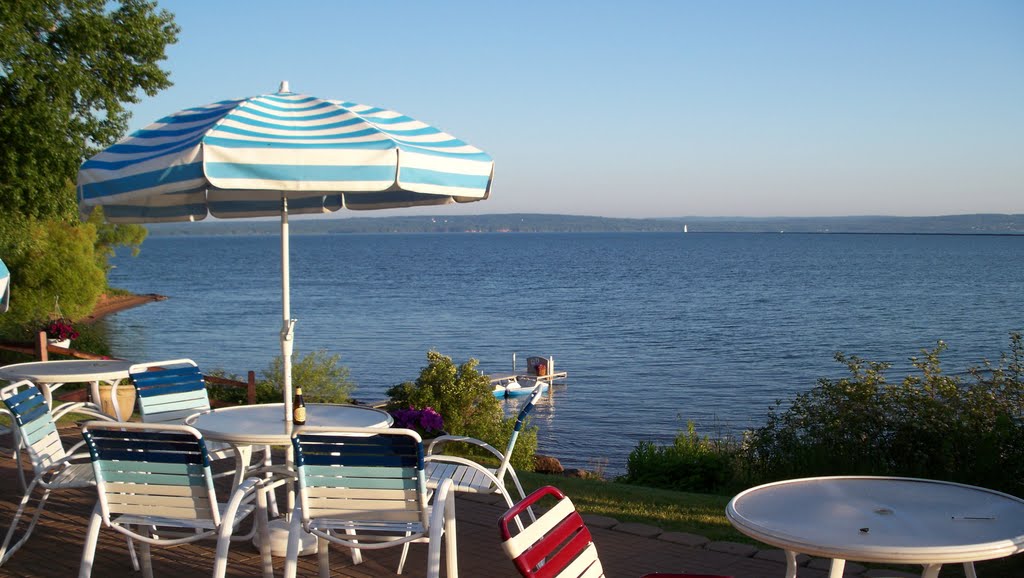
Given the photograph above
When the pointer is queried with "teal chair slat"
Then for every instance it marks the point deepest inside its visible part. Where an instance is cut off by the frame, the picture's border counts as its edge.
(148, 479)
(176, 401)
(38, 430)
(152, 467)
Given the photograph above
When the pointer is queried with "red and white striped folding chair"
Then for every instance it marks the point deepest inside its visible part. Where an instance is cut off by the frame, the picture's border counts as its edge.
(558, 544)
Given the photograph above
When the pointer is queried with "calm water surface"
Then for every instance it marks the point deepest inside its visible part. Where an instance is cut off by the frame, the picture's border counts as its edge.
(654, 329)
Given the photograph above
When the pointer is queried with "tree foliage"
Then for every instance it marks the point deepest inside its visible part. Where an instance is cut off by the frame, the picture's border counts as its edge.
(318, 373)
(930, 425)
(67, 70)
(49, 260)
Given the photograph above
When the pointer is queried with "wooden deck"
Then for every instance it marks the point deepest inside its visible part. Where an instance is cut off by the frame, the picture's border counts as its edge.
(626, 551)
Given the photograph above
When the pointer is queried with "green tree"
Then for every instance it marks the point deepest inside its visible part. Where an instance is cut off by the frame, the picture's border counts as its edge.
(67, 70)
(49, 260)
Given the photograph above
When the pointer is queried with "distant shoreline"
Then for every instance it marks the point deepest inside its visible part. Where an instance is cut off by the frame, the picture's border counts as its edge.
(110, 304)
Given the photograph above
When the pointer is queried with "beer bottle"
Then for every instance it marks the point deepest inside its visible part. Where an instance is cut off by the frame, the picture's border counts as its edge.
(299, 408)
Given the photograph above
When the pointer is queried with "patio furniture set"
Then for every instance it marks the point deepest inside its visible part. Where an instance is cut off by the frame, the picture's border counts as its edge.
(354, 481)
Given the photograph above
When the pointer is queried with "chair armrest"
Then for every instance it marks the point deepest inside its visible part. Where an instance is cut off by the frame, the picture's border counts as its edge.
(441, 440)
(79, 407)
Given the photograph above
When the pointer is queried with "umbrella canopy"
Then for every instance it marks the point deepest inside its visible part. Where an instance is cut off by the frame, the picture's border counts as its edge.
(5, 287)
(280, 154)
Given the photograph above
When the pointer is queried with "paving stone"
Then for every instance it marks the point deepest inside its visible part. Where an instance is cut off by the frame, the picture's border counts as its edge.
(596, 521)
(734, 548)
(852, 568)
(883, 573)
(645, 530)
(684, 538)
(780, 556)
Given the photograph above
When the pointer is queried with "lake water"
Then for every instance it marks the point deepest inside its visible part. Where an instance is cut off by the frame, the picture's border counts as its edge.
(653, 328)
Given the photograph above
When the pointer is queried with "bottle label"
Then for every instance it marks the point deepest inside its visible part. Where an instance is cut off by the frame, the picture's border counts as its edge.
(300, 415)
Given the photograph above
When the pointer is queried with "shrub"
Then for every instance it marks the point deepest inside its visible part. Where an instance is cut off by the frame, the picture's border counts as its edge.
(691, 464)
(930, 425)
(463, 397)
(321, 378)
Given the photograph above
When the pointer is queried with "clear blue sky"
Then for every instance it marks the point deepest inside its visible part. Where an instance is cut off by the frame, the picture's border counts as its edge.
(655, 109)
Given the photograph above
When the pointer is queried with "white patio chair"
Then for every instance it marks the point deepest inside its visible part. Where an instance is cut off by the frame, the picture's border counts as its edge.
(53, 467)
(558, 544)
(172, 390)
(469, 476)
(155, 485)
(364, 488)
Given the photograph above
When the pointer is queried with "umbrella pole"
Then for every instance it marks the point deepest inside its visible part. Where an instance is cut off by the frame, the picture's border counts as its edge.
(287, 323)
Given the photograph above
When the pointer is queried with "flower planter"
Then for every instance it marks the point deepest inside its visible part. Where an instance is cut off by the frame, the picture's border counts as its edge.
(65, 343)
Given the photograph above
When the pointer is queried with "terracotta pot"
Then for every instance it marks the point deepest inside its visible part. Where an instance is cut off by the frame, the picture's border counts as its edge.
(125, 400)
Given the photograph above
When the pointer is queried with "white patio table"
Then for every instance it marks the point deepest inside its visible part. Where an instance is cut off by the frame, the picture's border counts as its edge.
(50, 375)
(881, 519)
(247, 425)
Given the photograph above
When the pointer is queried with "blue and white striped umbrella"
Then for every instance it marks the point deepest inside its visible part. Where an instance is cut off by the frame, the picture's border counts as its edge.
(5, 287)
(280, 154)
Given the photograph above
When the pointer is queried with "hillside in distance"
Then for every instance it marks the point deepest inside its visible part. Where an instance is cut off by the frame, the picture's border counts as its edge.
(978, 224)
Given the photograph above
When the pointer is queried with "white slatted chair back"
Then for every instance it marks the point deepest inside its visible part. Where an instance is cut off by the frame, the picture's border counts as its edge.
(152, 470)
(370, 476)
(169, 391)
(365, 488)
(34, 425)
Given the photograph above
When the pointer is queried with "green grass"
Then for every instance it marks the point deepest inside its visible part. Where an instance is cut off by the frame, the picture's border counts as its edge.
(702, 514)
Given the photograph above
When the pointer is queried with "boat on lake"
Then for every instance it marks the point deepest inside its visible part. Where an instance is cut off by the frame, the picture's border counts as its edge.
(539, 373)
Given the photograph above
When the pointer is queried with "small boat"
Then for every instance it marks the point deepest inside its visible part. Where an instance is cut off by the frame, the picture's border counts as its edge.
(504, 384)
(539, 372)
(509, 386)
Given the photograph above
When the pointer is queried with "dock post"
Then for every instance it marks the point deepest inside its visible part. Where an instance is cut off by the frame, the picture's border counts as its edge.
(551, 372)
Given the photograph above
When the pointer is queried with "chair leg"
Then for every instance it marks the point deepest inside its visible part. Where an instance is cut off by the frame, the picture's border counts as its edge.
(292, 556)
(405, 554)
(7, 549)
(323, 557)
(263, 529)
(451, 549)
(357, 554)
(147, 556)
(92, 534)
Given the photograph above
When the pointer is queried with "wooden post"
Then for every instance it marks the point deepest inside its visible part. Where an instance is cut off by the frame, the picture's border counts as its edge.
(41, 345)
(252, 387)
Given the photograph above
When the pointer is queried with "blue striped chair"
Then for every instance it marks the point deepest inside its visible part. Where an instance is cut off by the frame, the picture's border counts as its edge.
(364, 488)
(471, 477)
(53, 467)
(155, 486)
(170, 391)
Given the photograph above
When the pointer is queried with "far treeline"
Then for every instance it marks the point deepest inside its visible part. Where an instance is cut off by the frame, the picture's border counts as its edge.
(980, 224)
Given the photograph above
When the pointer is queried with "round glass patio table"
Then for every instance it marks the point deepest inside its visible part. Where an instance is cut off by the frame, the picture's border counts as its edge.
(881, 519)
(50, 375)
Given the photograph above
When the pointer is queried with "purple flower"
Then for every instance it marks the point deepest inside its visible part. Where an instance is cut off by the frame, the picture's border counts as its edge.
(423, 421)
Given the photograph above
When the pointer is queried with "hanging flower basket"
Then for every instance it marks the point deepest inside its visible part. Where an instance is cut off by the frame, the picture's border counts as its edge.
(60, 332)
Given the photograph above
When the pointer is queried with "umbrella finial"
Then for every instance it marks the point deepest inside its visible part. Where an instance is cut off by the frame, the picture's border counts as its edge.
(283, 87)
